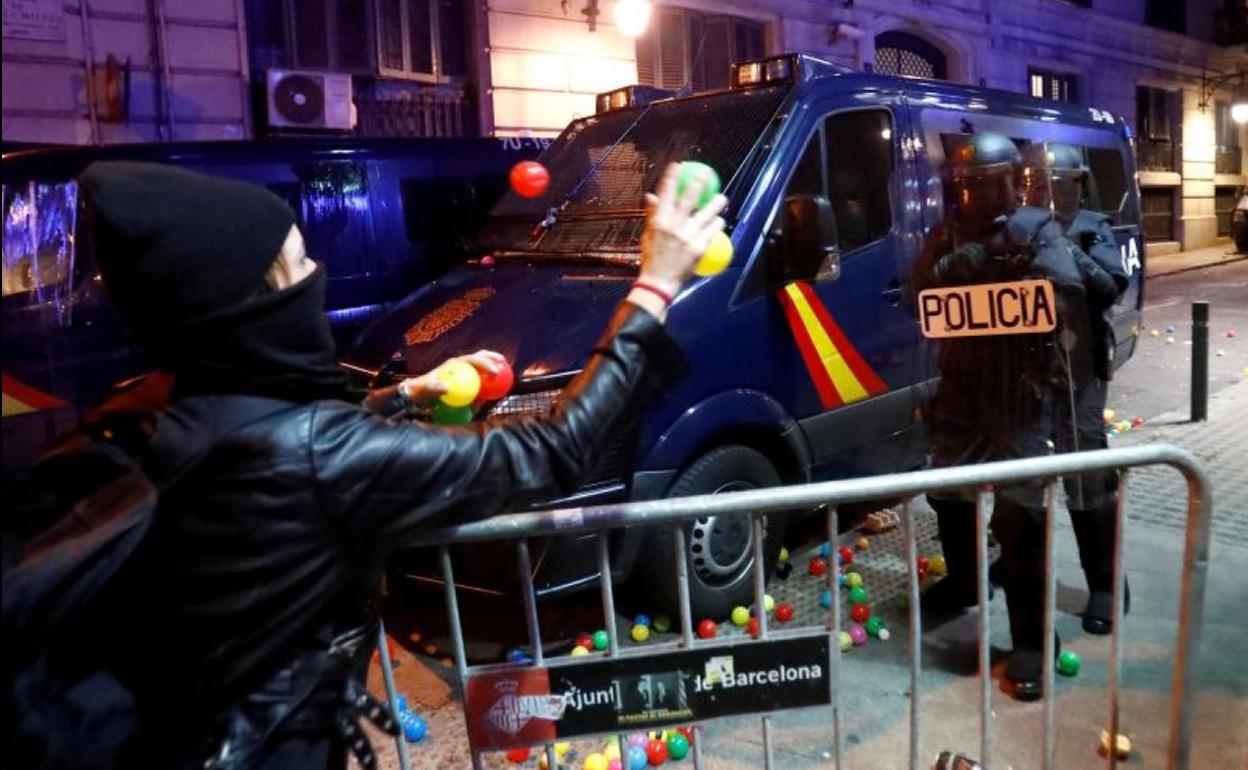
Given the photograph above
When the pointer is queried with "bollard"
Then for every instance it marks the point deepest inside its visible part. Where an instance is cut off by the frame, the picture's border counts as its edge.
(1200, 361)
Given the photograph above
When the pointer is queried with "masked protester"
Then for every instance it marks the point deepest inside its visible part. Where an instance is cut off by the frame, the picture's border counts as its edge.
(995, 397)
(247, 619)
(1080, 400)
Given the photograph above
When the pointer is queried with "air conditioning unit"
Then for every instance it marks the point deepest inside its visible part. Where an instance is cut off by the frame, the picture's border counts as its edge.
(309, 100)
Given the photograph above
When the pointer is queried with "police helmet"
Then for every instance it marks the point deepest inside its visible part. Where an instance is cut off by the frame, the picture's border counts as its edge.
(1054, 173)
(982, 170)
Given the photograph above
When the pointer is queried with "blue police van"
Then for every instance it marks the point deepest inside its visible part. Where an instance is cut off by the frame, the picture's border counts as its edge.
(808, 358)
(383, 215)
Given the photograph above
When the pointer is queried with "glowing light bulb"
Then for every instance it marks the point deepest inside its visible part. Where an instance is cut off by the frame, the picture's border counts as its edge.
(632, 16)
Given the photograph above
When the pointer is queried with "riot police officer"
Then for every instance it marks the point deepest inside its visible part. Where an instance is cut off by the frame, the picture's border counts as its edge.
(1059, 169)
(995, 396)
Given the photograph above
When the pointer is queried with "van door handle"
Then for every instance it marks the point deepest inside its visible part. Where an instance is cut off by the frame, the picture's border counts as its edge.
(893, 293)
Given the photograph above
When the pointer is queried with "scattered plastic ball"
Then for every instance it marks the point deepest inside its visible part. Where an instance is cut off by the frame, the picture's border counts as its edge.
(496, 385)
(853, 579)
(414, 726)
(874, 625)
(595, 761)
(677, 746)
(517, 655)
(1230, 334)
(857, 634)
(689, 172)
(846, 641)
(1169, 340)
(840, 580)
(637, 759)
(687, 732)
(561, 750)
(642, 620)
(784, 554)
(769, 602)
(716, 258)
(402, 702)
(656, 752)
(1220, 353)
(1122, 744)
(847, 554)
(578, 651)
(707, 629)
(584, 640)
(818, 566)
(863, 544)
(615, 764)
(924, 564)
(884, 635)
(1170, 329)
(461, 380)
(516, 756)
(662, 624)
(825, 551)
(1108, 415)
(858, 595)
(638, 739)
(487, 260)
(784, 612)
(640, 633)
(740, 616)
(937, 565)
(1069, 663)
(611, 750)
(444, 414)
(752, 628)
(860, 613)
(1154, 333)
(1137, 421)
(529, 178)
(601, 640)
(825, 600)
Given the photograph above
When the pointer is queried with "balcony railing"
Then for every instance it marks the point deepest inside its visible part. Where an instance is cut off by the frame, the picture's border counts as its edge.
(1229, 160)
(1155, 156)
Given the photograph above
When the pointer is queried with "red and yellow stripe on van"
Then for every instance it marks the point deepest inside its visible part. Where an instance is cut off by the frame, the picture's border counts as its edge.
(840, 374)
(20, 398)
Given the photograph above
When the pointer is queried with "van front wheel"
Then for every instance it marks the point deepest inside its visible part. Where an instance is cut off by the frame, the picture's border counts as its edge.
(719, 550)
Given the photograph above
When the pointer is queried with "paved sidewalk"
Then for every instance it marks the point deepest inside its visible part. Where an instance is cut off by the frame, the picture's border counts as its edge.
(1195, 259)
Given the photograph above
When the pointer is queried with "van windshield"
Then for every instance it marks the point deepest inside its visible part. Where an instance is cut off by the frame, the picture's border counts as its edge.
(601, 167)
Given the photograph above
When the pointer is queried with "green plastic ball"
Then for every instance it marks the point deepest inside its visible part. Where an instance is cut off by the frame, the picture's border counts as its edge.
(858, 595)
(677, 745)
(451, 415)
(874, 624)
(689, 171)
(1069, 663)
(661, 624)
(601, 640)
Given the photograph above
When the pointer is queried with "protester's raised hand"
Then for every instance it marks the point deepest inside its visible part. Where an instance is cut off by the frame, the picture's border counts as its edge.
(677, 233)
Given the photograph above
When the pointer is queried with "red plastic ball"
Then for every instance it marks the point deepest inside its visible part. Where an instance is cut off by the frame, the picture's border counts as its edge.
(860, 613)
(584, 640)
(752, 627)
(495, 386)
(529, 178)
(784, 612)
(846, 554)
(516, 756)
(656, 751)
(923, 563)
(706, 630)
(687, 732)
(818, 566)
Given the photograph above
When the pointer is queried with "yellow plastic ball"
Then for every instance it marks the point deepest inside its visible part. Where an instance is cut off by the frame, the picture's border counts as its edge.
(1122, 745)
(561, 750)
(716, 257)
(740, 616)
(847, 641)
(784, 554)
(863, 544)
(462, 383)
(640, 633)
(611, 750)
(769, 603)
(937, 566)
(578, 651)
(595, 762)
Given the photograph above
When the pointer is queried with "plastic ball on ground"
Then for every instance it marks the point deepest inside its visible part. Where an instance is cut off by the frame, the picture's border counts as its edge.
(1122, 745)
(857, 634)
(769, 602)
(414, 726)
(938, 565)
(611, 749)
(1220, 353)
(884, 635)
(846, 554)
(662, 624)
(529, 178)
(640, 633)
(784, 554)
(874, 624)
(677, 746)
(642, 620)
(584, 640)
(853, 579)
(825, 551)
(817, 566)
(601, 639)
(496, 385)
(516, 756)
(740, 616)
(1170, 329)
(716, 258)
(860, 613)
(402, 702)
(461, 381)
(1069, 663)
(638, 739)
(690, 171)
(1137, 422)
(1154, 333)
(487, 260)
(595, 761)
(846, 641)
(445, 414)
(517, 655)
(656, 752)
(637, 759)
(707, 629)
(1169, 340)
(1107, 415)
(840, 580)
(858, 595)
(825, 600)
(615, 764)
(784, 612)
(578, 651)
(863, 544)
(687, 732)
(752, 628)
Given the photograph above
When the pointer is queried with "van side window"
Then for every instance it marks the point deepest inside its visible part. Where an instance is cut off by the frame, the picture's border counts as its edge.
(1107, 186)
(807, 180)
(860, 167)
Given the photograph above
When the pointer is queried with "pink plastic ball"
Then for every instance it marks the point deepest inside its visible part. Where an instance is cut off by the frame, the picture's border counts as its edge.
(858, 634)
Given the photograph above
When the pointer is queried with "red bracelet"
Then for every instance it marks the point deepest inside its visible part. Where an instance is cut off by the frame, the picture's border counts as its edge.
(655, 290)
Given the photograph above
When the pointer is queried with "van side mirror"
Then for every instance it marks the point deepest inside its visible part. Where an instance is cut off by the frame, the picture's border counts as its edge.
(808, 241)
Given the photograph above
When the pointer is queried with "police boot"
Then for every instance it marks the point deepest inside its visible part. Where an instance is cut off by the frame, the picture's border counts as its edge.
(1020, 530)
(956, 591)
(1094, 532)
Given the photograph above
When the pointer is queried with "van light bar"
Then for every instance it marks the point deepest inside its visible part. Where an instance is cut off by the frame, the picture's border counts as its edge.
(761, 71)
(629, 96)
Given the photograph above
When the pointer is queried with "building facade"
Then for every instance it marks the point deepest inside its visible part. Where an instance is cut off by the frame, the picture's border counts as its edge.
(139, 70)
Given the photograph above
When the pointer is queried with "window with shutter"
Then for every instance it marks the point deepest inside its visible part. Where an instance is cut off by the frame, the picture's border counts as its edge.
(328, 34)
(683, 49)
(453, 37)
(311, 33)
(390, 34)
(423, 39)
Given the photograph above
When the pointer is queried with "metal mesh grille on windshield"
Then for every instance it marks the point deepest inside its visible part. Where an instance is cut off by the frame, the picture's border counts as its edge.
(603, 165)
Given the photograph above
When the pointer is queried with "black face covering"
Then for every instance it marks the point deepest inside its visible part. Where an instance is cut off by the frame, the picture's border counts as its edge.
(276, 344)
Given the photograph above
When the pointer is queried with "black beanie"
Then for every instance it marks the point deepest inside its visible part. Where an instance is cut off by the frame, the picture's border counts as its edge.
(173, 245)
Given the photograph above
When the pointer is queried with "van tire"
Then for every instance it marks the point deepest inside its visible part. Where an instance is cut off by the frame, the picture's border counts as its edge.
(716, 585)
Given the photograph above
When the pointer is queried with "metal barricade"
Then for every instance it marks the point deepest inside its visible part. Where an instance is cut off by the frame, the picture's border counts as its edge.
(828, 495)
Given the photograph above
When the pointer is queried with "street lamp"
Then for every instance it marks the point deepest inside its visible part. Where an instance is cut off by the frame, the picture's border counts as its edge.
(632, 16)
(1239, 104)
(1239, 97)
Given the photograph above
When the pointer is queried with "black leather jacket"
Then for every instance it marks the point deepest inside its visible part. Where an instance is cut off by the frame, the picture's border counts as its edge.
(270, 548)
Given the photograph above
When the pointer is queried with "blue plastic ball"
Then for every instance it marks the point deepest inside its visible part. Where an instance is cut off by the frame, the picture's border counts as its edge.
(402, 700)
(825, 550)
(517, 655)
(414, 727)
(642, 620)
(637, 759)
(825, 600)
(841, 580)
